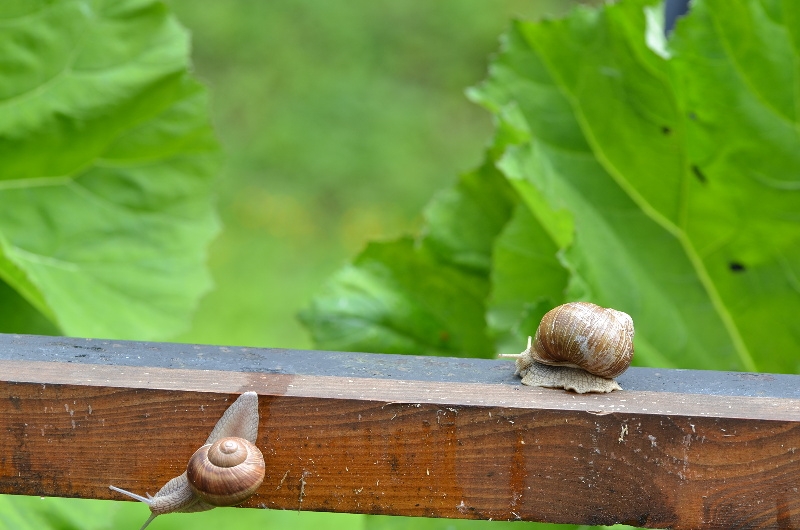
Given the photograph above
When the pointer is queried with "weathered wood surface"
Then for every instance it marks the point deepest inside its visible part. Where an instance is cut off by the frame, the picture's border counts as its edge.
(406, 435)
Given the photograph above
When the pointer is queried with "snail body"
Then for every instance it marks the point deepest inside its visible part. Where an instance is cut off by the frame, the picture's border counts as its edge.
(578, 346)
(224, 471)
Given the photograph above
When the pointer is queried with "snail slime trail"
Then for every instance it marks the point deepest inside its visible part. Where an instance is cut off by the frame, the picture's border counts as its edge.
(225, 471)
(578, 346)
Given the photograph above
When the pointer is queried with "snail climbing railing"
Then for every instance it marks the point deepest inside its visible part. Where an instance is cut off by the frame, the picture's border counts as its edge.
(405, 435)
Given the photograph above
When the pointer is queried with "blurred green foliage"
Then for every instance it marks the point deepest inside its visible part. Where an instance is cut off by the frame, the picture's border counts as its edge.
(339, 120)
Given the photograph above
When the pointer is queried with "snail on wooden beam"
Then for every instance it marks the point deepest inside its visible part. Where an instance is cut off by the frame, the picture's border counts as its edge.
(225, 471)
(578, 346)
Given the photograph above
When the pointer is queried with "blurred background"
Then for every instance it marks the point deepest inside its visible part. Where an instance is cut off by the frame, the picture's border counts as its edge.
(339, 120)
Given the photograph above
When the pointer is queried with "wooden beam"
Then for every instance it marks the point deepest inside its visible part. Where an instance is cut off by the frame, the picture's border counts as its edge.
(405, 435)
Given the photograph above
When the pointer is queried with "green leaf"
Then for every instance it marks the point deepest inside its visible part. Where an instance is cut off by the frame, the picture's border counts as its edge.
(528, 280)
(426, 297)
(18, 316)
(108, 158)
(682, 216)
(481, 201)
(743, 149)
(36, 513)
(656, 177)
(397, 298)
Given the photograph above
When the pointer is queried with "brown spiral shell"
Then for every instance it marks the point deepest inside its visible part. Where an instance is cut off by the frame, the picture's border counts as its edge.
(587, 336)
(226, 472)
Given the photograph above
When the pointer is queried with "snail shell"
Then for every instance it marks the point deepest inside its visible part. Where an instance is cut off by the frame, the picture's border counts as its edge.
(578, 346)
(226, 472)
(583, 335)
(234, 470)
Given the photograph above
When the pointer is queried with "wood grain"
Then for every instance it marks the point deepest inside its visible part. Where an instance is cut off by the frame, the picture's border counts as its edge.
(405, 446)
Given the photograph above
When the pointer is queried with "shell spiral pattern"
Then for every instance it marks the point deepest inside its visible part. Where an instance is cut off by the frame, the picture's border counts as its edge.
(226, 472)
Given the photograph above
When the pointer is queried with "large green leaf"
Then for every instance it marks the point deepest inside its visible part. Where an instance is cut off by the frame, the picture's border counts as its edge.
(657, 177)
(398, 297)
(528, 280)
(617, 256)
(107, 160)
(742, 211)
(684, 216)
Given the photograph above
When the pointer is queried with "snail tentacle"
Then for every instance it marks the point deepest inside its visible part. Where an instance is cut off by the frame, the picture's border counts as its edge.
(145, 500)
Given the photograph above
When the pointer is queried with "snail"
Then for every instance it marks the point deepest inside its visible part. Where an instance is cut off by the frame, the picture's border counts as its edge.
(225, 471)
(578, 346)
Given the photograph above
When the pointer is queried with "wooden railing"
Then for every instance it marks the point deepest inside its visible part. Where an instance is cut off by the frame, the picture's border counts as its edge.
(406, 435)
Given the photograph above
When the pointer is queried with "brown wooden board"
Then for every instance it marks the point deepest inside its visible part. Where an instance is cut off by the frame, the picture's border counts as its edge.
(406, 435)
